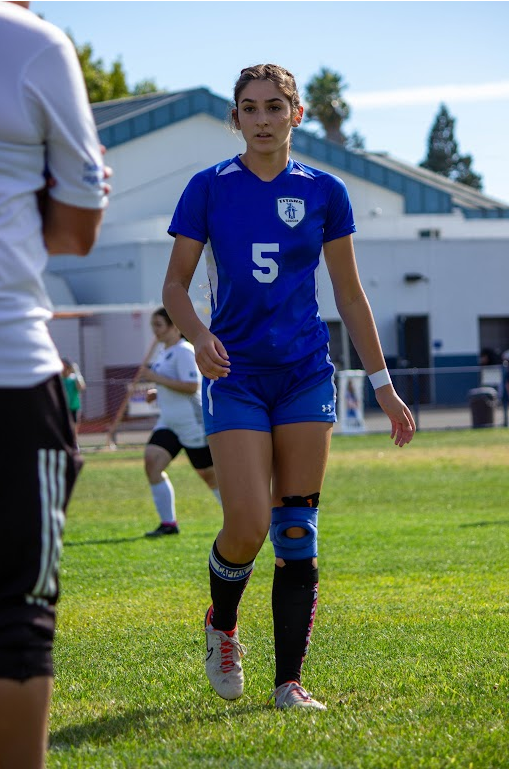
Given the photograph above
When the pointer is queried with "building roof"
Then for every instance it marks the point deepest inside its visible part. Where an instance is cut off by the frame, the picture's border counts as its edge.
(121, 120)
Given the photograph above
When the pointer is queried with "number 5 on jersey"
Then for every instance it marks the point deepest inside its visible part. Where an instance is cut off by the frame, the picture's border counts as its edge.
(269, 271)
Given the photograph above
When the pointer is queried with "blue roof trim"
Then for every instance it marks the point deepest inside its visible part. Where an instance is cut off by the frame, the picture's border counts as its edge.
(419, 198)
(485, 213)
(127, 119)
(153, 118)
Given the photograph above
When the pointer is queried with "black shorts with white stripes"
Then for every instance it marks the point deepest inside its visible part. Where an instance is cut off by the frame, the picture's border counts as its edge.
(39, 464)
(200, 458)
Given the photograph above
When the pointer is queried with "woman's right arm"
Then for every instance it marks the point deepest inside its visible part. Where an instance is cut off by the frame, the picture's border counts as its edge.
(211, 356)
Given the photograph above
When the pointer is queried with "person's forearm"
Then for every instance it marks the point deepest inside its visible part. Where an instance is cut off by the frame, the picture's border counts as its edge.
(68, 229)
(359, 321)
(180, 309)
(188, 388)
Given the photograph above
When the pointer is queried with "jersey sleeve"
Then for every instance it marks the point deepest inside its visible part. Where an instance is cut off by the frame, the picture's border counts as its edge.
(187, 369)
(55, 87)
(339, 217)
(190, 216)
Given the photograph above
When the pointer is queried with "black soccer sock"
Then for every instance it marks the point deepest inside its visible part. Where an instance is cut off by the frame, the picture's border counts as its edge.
(294, 599)
(228, 581)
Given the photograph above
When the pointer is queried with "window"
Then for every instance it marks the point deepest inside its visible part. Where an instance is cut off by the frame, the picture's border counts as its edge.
(336, 339)
(493, 336)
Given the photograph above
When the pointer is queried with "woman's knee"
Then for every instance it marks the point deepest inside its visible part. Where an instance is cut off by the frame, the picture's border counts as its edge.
(244, 541)
(154, 466)
(208, 475)
(148, 463)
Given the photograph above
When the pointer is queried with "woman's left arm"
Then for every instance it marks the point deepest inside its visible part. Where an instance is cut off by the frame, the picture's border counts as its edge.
(356, 313)
(188, 388)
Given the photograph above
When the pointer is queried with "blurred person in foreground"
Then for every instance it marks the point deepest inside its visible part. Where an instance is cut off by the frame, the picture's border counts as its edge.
(52, 193)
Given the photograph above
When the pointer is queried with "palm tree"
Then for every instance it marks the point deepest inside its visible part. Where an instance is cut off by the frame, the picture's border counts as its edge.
(325, 103)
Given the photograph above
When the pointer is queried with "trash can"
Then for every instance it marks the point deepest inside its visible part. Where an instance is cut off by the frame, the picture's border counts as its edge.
(482, 401)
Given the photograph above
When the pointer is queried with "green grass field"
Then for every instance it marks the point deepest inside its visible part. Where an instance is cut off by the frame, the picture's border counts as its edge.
(409, 649)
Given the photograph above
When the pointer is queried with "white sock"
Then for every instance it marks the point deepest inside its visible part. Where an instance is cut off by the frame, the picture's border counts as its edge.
(163, 495)
(216, 493)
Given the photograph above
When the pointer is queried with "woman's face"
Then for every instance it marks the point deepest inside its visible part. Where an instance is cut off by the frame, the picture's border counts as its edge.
(165, 333)
(264, 116)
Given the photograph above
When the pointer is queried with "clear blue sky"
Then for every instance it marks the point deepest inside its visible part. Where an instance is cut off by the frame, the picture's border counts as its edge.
(400, 58)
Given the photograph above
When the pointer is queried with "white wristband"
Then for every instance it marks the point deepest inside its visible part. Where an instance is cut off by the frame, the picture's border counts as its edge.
(380, 378)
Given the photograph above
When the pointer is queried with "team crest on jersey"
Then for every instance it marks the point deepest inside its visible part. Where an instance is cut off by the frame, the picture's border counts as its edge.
(291, 210)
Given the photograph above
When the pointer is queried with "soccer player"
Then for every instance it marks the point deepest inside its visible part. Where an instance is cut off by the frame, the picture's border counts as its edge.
(268, 381)
(46, 123)
(180, 424)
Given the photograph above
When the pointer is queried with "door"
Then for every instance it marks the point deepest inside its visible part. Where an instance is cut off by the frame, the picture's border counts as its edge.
(413, 352)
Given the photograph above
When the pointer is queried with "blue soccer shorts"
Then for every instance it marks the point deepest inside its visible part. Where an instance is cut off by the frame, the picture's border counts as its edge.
(305, 392)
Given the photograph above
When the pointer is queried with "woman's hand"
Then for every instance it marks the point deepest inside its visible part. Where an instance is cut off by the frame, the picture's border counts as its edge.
(146, 373)
(402, 423)
(211, 356)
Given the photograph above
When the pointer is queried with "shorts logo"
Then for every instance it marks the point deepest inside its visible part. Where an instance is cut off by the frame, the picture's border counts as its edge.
(291, 210)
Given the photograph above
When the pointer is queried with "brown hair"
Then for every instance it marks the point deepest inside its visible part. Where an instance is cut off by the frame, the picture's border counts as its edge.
(282, 78)
(163, 314)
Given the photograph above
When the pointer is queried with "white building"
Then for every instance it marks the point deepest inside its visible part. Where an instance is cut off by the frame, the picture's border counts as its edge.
(432, 254)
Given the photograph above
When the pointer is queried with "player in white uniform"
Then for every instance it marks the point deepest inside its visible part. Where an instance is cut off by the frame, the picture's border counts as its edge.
(45, 121)
(180, 424)
(269, 395)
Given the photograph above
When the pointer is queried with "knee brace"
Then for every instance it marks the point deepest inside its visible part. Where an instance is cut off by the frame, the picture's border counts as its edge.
(288, 548)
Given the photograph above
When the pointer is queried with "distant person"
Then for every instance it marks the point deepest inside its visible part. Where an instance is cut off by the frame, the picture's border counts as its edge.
(488, 357)
(180, 424)
(268, 381)
(490, 362)
(503, 390)
(352, 404)
(46, 123)
(74, 385)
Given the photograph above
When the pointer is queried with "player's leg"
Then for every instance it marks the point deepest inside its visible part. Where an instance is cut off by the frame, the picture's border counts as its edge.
(74, 424)
(24, 708)
(33, 498)
(300, 452)
(162, 447)
(201, 460)
(302, 425)
(242, 459)
(77, 425)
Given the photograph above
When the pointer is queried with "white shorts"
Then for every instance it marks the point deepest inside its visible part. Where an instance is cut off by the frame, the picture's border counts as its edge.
(191, 434)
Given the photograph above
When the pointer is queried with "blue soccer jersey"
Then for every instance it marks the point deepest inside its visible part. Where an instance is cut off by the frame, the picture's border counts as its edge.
(266, 240)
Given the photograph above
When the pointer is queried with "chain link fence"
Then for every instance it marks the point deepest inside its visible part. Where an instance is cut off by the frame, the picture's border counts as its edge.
(439, 398)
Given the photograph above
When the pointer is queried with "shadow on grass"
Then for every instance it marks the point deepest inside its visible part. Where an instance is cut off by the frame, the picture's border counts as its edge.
(482, 523)
(141, 721)
(103, 541)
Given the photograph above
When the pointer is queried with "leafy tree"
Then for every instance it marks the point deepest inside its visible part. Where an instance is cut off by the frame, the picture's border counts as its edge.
(355, 141)
(326, 104)
(465, 175)
(443, 154)
(103, 85)
(143, 87)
